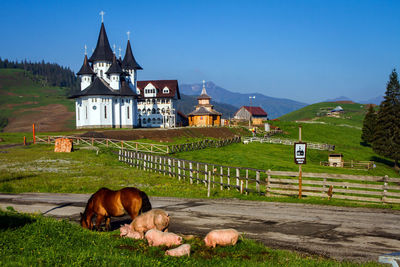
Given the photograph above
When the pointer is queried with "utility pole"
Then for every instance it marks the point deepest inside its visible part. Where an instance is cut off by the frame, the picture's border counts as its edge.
(251, 97)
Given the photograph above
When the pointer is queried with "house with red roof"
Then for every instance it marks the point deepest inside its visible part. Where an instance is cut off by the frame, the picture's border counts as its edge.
(246, 113)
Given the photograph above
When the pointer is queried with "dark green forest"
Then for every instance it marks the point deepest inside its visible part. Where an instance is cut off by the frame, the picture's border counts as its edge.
(45, 73)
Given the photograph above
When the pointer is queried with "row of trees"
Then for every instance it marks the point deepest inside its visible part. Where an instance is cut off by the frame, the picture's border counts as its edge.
(49, 74)
(382, 129)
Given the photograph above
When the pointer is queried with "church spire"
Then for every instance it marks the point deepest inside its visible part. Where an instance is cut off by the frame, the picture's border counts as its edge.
(103, 50)
(204, 94)
(85, 69)
(129, 62)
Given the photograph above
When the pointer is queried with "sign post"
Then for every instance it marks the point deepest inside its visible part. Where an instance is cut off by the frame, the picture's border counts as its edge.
(300, 149)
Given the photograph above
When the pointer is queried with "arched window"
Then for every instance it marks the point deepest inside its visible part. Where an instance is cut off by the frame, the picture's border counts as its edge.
(158, 120)
(105, 112)
(127, 112)
(154, 101)
(149, 120)
(154, 120)
(149, 111)
(158, 111)
(163, 110)
(144, 111)
(153, 111)
(144, 120)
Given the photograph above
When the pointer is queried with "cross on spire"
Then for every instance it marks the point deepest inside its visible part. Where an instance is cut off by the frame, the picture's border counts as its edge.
(85, 50)
(119, 49)
(102, 15)
(128, 33)
(114, 47)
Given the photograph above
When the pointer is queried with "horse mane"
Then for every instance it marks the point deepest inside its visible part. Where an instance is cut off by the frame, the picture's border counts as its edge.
(146, 205)
(89, 202)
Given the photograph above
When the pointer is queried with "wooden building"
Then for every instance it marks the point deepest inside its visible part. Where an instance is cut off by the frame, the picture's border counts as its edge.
(204, 115)
(256, 114)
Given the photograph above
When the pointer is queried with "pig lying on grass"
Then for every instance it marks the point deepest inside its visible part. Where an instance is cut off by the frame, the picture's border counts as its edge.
(157, 238)
(153, 219)
(126, 230)
(223, 237)
(182, 250)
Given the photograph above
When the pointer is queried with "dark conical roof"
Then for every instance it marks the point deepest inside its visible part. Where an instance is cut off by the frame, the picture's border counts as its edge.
(103, 50)
(86, 69)
(115, 67)
(129, 62)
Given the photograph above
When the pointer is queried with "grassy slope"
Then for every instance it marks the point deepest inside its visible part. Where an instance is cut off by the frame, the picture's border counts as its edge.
(35, 240)
(19, 92)
(353, 113)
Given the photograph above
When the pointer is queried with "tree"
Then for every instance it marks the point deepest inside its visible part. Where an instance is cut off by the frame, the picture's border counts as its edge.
(387, 135)
(369, 126)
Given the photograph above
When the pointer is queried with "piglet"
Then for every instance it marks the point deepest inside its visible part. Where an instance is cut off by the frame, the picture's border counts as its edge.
(153, 219)
(223, 237)
(127, 232)
(182, 250)
(157, 238)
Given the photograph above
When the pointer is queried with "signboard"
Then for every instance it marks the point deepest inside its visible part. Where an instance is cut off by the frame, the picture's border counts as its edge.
(300, 153)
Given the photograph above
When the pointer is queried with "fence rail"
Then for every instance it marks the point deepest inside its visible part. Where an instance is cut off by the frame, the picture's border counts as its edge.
(204, 144)
(361, 165)
(105, 142)
(381, 189)
(270, 140)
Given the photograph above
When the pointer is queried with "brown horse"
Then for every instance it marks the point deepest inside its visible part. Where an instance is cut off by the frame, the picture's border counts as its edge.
(106, 203)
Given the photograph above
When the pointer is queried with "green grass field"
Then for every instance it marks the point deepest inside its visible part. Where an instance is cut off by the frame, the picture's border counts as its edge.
(27, 240)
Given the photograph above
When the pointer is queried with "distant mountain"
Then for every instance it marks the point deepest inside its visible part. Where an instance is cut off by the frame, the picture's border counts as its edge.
(376, 100)
(340, 98)
(275, 107)
(188, 102)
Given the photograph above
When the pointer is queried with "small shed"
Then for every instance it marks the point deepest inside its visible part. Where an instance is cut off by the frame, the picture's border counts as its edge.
(336, 160)
(246, 112)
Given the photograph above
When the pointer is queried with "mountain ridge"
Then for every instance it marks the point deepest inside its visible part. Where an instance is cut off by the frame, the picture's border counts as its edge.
(275, 107)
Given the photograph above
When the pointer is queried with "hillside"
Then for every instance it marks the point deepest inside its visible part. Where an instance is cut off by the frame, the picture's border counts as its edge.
(353, 114)
(275, 107)
(25, 101)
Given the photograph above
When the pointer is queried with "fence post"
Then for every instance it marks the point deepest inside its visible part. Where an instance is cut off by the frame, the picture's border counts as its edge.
(198, 173)
(191, 172)
(258, 181)
(229, 178)
(221, 175)
(213, 175)
(241, 186)
(145, 162)
(384, 188)
(205, 174)
(247, 181)
(268, 183)
(119, 155)
(183, 170)
(237, 178)
(179, 170)
(169, 168)
(209, 184)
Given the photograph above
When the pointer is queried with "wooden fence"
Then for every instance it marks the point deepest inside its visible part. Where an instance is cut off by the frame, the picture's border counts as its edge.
(267, 182)
(360, 165)
(204, 144)
(270, 140)
(105, 142)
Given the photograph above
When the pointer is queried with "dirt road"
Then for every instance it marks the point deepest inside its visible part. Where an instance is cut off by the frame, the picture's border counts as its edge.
(358, 234)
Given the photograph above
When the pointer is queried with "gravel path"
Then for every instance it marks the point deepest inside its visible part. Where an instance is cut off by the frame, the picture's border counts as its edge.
(341, 233)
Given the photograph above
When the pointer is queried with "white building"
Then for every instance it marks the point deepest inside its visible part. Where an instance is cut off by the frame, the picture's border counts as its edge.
(157, 103)
(110, 92)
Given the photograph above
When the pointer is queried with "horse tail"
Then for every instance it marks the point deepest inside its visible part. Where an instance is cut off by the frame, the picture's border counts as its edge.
(146, 205)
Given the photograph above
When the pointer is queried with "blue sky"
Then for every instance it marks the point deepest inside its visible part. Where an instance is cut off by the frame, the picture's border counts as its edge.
(307, 51)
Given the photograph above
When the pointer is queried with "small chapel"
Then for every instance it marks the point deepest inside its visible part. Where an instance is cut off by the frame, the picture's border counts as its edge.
(112, 97)
(204, 115)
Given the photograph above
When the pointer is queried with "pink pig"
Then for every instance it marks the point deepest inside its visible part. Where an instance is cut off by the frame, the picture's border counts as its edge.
(157, 238)
(127, 231)
(182, 250)
(223, 237)
(153, 219)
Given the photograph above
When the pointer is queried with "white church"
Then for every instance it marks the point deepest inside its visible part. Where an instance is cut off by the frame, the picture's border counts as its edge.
(112, 97)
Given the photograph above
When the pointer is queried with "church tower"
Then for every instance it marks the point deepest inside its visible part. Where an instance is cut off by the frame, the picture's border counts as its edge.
(130, 65)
